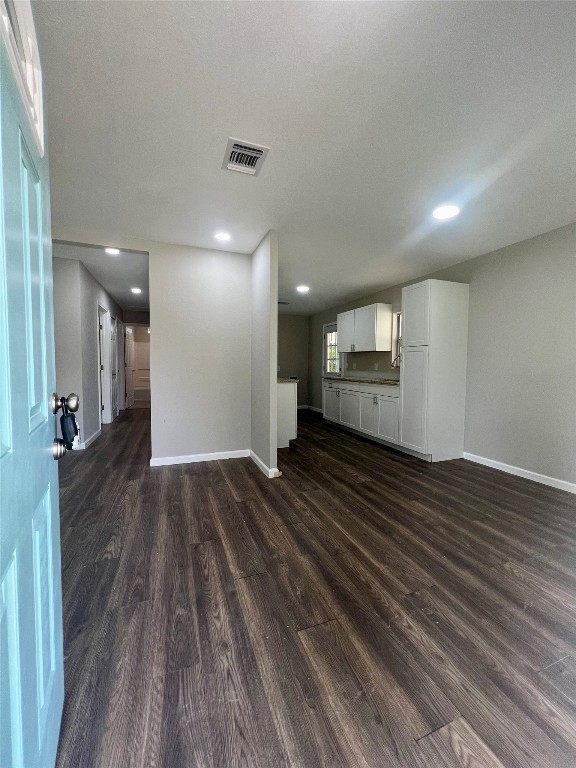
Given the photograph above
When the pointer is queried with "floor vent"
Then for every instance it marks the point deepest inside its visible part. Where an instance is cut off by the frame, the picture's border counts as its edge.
(244, 157)
(284, 302)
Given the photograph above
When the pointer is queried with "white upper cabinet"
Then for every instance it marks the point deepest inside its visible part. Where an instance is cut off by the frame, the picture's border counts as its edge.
(345, 327)
(416, 315)
(366, 329)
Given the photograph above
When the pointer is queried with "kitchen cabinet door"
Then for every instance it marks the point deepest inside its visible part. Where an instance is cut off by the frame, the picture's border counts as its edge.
(413, 398)
(369, 414)
(331, 404)
(415, 315)
(388, 419)
(365, 329)
(345, 326)
(350, 409)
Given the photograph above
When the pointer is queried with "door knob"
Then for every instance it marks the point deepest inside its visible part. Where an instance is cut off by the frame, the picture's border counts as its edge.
(58, 449)
(72, 402)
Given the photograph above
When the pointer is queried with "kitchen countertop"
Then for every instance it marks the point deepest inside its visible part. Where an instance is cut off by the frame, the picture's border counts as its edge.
(386, 382)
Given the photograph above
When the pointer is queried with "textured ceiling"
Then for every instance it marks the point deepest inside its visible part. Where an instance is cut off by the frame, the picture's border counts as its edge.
(374, 113)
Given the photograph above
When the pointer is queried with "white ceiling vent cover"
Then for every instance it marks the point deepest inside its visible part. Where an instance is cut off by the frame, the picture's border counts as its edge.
(244, 157)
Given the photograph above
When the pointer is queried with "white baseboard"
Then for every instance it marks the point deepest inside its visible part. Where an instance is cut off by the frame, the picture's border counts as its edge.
(163, 461)
(310, 408)
(86, 443)
(269, 472)
(562, 485)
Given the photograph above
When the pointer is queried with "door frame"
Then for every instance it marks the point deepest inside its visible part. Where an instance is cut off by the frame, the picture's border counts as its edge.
(134, 325)
(104, 372)
(114, 406)
(121, 375)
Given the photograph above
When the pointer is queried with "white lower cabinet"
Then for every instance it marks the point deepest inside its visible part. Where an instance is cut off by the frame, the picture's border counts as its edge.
(332, 404)
(350, 409)
(388, 419)
(369, 414)
(374, 412)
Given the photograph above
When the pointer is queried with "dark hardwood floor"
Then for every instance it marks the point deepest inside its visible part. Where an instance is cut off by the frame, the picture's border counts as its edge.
(366, 609)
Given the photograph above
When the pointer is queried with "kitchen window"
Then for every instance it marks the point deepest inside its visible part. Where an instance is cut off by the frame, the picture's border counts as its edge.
(331, 361)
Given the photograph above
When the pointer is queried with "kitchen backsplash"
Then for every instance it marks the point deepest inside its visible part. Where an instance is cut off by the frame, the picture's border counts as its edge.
(369, 365)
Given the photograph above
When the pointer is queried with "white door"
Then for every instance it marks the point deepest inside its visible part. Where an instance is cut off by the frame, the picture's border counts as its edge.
(114, 366)
(345, 324)
(413, 398)
(350, 409)
(105, 362)
(369, 414)
(415, 315)
(365, 329)
(331, 404)
(388, 419)
(129, 358)
(121, 368)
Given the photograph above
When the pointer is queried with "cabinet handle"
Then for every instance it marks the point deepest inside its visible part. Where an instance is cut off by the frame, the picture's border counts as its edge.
(337, 393)
(353, 347)
(375, 399)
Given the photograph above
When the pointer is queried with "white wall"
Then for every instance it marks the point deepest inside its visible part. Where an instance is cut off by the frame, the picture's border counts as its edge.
(293, 332)
(92, 295)
(521, 352)
(76, 298)
(265, 351)
(67, 332)
(213, 347)
(200, 337)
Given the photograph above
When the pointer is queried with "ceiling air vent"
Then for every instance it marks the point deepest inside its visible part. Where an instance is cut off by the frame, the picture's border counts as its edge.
(244, 157)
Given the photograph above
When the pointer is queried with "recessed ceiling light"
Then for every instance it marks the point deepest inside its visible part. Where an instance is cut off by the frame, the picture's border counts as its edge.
(303, 288)
(224, 236)
(445, 212)
(136, 290)
(112, 251)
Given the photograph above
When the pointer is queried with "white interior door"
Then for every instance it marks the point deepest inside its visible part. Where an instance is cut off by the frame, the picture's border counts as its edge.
(129, 365)
(121, 368)
(114, 367)
(105, 360)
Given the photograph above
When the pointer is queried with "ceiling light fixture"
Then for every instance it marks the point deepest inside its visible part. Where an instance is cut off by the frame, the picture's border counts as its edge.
(303, 288)
(136, 290)
(444, 212)
(112, 251)
(224, 236)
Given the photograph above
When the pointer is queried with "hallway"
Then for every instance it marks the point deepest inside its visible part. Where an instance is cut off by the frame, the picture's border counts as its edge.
(365, 609)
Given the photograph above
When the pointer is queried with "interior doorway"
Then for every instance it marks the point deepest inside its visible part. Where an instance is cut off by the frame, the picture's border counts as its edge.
(137, 366)
(110, 371)
(129, 365)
